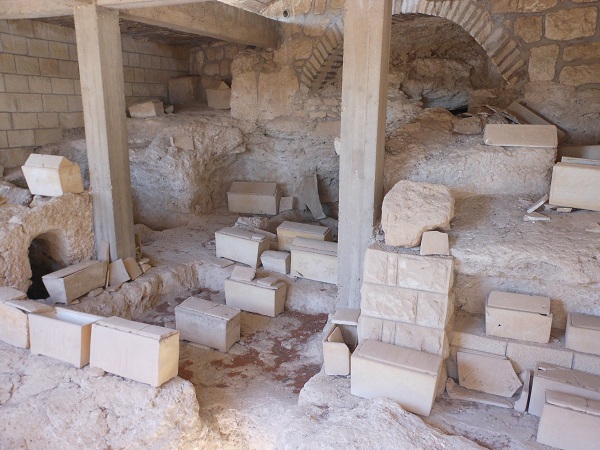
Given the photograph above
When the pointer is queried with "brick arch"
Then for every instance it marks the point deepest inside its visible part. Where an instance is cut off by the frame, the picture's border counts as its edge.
(501, 48)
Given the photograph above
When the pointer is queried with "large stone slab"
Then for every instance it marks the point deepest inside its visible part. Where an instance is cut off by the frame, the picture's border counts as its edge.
(411, 208)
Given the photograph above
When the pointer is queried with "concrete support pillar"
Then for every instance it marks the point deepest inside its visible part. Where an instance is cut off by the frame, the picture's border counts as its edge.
(102, 91)
(367, 28)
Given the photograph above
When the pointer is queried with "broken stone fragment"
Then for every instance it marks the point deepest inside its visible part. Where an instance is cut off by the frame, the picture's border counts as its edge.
(411, 208)
(535, 217)
(489, 373)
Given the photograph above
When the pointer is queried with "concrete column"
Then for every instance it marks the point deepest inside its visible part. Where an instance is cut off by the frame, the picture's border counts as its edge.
(102, 91)
(367, 28)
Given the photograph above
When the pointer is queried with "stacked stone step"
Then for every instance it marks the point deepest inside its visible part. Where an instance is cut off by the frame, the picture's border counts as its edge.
(407, 299)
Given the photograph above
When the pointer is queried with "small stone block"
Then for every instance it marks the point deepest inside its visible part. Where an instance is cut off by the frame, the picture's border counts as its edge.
(435, 243)
(569, 422)
(575, 186)
(406, 376)
(62, 334)
(521, 135)
(132, 267)
(253, 297)
(267, 281)
(583, 333)
(275, 261)
(549, 377)
(117, 273)
(286, 204)
(254, 198)
(288, 231)
(243, 273)
(315, 260)
(52, 175)
(146, 109)
(207, 323)
(240, 245)
(72, 282)
(336, 354)
(518, 316)
(145, 353)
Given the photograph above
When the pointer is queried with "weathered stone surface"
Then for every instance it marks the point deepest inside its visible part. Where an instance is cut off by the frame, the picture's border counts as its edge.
(469, 126)
(578, 75)
(525, 357)
(427, 150)
(529, 28)
(423, 273)
(589, 50)
(14, 194)
(75, 408)
(434, 310)
(411, 208)
(66, 236)
(381, 422)
(521, 6)
(542, 64)
(569, 24)
(389, 302)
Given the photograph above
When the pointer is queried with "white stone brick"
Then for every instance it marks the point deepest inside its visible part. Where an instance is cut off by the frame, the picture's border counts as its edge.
(62, 334)
(141, 352)
(526, 356)
(389, 302)
(583, 333)
(406, 376)
(425, 339)
(434, 310)
(208, 323)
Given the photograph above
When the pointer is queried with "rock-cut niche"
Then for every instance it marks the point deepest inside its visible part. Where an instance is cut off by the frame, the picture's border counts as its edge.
(46, 255)
(435, 61)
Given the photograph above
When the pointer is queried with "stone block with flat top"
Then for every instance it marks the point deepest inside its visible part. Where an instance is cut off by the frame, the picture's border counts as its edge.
(252, 296)
(62, 334)
(276, 261)
(208, 323)
(407, 376)
(241, 246)
(138, 351)
(518, 316)
(288, 231)
(251, 197)
(583, 333)
(314, 260)
(52, 175)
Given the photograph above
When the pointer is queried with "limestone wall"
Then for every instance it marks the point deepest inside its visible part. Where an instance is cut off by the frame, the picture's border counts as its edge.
(40, 95)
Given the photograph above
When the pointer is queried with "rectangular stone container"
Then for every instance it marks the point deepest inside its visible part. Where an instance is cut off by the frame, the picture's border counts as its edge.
(583, 333)
(241, 246)
(314, 260)
(521, 135)
(62, 334)
(14, 320)
(253, 297)
(287, 231)
(254, 198)
(207, 323)
(276, 261)
(575, 186)
(548, 377)
(518, 316)
(219, 98)
(336, 353)
(134, 350)
(52, 175)
(72, 282)
(569, 422)
(407, 376)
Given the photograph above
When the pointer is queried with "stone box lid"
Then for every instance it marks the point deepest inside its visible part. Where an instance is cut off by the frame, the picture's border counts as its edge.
(314, 246)
(275, 254)
(254, 282)
(574, 402)
(196, 305)
(519, 302)
(47, 161)
(242, 234)
(141, 329)
(568, 376)
(29, 306)
(584, 321)
(253, 188)
(317, 230)
(399, 356)
(346, 316)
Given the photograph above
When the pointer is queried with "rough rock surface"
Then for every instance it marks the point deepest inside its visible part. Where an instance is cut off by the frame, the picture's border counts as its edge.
(63, 226)
(426, 149)
(61, 407)
(14, 194)
(495, 249)
(412, 208)
(328, 417)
